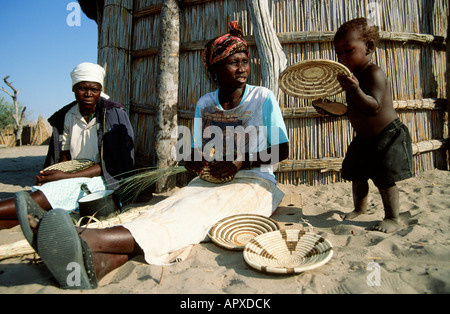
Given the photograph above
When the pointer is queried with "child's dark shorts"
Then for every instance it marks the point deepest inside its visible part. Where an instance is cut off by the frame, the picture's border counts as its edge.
(386, 158)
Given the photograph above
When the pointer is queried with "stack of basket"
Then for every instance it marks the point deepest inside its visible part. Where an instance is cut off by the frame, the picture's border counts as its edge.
(270, 249)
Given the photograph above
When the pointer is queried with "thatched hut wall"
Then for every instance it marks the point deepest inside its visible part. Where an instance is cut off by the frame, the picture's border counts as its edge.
(411, 52)
(38, 134)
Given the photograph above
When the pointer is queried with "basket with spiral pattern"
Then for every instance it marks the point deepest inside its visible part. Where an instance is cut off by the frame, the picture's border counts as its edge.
(289, 251)
(206, 175)
(236, 231)
(312, 79)
(71, 166)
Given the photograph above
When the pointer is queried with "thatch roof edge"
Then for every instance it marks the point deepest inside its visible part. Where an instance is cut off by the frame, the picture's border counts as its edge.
(91, 8)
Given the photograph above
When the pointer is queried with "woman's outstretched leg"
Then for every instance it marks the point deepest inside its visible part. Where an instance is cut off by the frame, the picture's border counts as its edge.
(111, 247)
(81, 253)
(8, 214)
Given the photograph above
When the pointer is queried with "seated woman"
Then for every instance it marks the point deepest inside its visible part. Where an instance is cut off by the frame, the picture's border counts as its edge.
(92, 127)
(187, 216)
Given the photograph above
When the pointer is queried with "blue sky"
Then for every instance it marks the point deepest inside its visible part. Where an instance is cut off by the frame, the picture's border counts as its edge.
(38, 50)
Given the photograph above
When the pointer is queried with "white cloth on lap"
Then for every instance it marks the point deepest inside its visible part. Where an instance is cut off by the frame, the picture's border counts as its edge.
(186, 217)
(65, 193)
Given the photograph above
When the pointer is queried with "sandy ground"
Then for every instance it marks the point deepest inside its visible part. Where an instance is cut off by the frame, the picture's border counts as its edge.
(413, 260)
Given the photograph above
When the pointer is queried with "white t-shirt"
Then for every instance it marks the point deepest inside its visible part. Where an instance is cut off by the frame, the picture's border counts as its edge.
(253, 126)
(79, 137)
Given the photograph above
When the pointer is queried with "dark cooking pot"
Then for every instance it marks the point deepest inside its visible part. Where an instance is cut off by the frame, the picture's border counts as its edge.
(102, 204)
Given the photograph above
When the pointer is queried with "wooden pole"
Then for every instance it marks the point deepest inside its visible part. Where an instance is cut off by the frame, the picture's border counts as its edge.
(273, 59)
(167, 91)
(447, 75)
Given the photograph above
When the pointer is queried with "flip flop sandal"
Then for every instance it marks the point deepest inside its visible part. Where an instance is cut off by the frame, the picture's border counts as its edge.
(25, 205)
(65, 254)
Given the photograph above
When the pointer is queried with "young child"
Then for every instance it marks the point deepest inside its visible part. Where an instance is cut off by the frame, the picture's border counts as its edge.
(382, 149)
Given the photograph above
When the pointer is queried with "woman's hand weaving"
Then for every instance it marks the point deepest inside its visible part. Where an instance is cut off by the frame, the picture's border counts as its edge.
(195, 167)
(224, 169)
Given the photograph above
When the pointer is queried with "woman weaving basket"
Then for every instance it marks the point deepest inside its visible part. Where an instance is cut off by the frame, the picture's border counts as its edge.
(186, 217)
(92, 128)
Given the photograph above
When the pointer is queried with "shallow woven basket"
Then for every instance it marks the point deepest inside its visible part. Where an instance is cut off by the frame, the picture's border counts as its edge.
(312, 79)
(330, 107)
(234, 232)
(289, 251)
(71, 165)
(205, 175)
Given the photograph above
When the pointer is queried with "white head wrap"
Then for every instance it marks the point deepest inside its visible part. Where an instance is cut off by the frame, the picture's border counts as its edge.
(88, 72)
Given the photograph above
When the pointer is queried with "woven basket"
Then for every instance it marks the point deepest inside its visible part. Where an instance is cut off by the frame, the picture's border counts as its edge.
(71, 166)
(289, 251)
(205, 175)
(234, 232)
(330, 107)
(312, 79)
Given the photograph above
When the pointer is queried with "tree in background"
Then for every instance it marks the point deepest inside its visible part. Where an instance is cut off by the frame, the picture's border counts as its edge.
(19, 113)
(6, 111)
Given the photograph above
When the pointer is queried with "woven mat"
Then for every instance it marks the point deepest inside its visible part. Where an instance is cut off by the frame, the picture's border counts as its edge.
(312, 79)
(71, 165)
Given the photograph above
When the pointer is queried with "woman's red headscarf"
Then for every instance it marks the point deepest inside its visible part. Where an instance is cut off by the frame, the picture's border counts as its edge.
(221, 47)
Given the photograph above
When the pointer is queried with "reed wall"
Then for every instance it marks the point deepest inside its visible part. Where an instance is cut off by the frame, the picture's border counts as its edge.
(411, 52)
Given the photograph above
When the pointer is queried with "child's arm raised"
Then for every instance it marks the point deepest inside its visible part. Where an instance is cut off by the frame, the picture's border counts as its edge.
(367, 96)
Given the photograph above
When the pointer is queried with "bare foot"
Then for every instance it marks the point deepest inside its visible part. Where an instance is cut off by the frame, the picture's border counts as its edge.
(388, 225)
(352, 215)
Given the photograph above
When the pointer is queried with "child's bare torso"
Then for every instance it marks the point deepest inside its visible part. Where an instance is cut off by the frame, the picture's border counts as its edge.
(368, 125)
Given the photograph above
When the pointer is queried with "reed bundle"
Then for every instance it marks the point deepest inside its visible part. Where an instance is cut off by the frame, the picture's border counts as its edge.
(395, 16)
(113, 48)
(130, 187)
(15, 249)
(310, 111)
